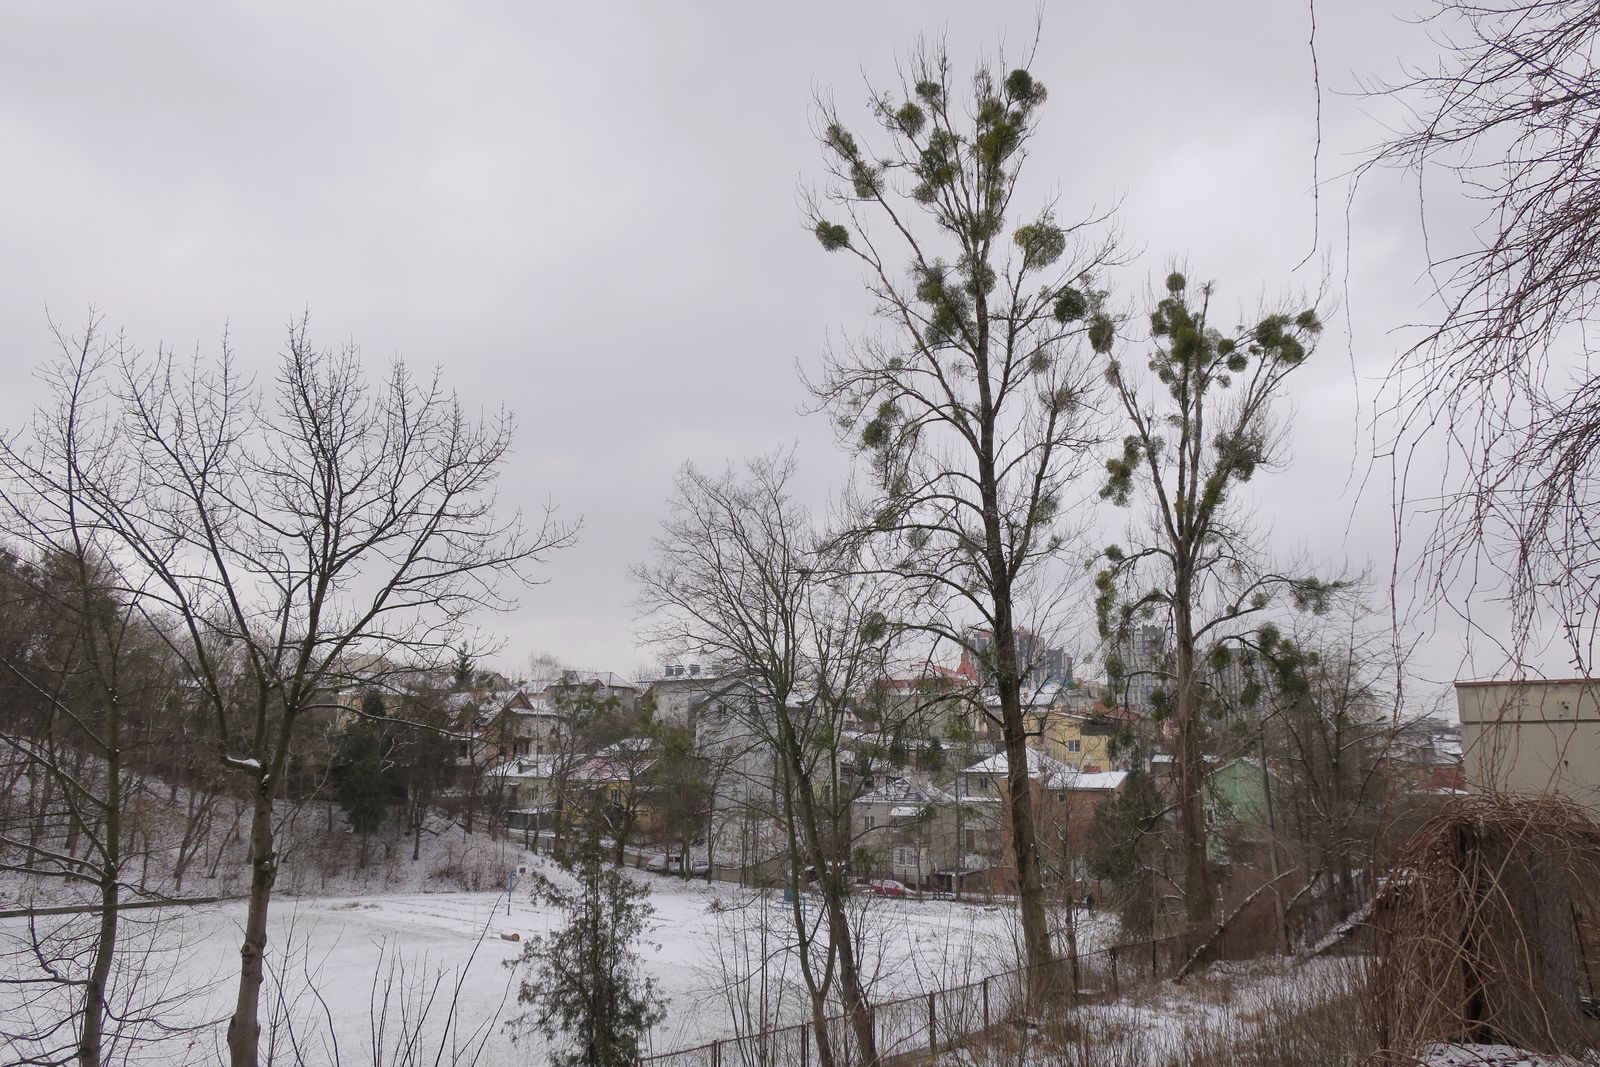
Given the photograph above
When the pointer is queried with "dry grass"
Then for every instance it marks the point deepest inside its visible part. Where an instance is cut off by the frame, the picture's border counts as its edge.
(1267, 1014)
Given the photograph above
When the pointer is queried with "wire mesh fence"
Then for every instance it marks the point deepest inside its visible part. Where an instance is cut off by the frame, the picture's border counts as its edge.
(929, 1022)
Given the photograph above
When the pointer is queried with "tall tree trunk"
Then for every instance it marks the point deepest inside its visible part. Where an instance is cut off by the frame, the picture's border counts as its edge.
(1019, 799)
(831, 878)
(196, 830)
(711, 837)
(1274, 868)
(244, 1029)
(1008, 683)
(42, 791)
(619, 845)
(91, 1037)
(1199, 891)
(416, 832)
(818, 991)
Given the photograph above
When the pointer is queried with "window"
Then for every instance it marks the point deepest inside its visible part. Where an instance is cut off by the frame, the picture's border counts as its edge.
(869, 821)
(972, 840)
(1075, 745)
(519, 748)
(905, 856)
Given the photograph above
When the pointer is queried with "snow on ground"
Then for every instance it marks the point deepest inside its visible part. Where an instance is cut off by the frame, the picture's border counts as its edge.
(347, 949)
(1262, 1011)
(1226, 996)
(1440, 1055)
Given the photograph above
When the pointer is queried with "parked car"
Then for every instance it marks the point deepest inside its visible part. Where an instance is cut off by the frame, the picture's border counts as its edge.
(886, 887)
(662, 864)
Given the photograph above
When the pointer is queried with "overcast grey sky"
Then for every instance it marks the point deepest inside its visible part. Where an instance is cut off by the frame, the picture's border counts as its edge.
(588, 212)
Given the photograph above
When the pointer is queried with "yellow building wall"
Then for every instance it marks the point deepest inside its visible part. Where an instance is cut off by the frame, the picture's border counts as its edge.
(1055, 735)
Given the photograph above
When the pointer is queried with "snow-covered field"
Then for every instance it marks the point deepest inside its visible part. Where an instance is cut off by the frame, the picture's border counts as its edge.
(333, 958)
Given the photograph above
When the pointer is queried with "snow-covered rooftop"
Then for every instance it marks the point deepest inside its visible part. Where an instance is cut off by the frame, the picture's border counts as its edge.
(908, 796)
(1039, 765)
(1105, 781)
(526, 767)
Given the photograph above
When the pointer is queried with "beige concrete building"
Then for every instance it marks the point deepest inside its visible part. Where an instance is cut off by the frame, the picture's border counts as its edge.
(1533, 736)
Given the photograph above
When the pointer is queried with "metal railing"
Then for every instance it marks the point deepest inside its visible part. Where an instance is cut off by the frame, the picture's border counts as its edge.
(937, 1020)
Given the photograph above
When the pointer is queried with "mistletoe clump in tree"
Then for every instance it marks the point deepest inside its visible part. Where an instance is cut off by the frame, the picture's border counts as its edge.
(973, 406)
(1204, 430)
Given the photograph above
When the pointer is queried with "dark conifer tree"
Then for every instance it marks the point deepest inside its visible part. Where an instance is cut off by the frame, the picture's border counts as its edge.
(584, 985)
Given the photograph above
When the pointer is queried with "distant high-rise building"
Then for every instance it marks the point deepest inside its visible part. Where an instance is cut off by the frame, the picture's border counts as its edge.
(1145, 667)
(1041, 666)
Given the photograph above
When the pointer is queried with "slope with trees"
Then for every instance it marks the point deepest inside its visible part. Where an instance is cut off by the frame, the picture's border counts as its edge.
(292, 543)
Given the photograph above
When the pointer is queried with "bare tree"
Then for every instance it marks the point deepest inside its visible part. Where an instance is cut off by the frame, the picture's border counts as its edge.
(740, 577)
(1329, 724)
(1502, 379)
(81, 673)
(98, 674)
(295, 544)
(975, 404)
(1203, 429)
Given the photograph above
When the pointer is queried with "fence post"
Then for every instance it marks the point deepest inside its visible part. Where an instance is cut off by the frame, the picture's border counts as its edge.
(933, 1023)
(1116, 990)
(805, 1044)
(1154, 968)
(716, 1054)
(986, 1003)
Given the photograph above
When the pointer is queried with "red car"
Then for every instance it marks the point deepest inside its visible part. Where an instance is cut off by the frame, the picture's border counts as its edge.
(886, 887)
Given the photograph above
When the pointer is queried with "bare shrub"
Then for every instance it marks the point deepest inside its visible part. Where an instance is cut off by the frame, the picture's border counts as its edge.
(1479, 927)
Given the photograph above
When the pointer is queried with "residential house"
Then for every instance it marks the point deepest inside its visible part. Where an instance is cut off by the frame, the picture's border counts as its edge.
(732, 736)
(1065, 797)
(907, 831)
(598, 685)
(681, 687)
(527, 787)
(1065, 817)
(1425, 754)
(520, 723)
(933, 702)
(614, 782)
(616, 773)
(984, 793)
(1235, 796)
(1081, 740)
